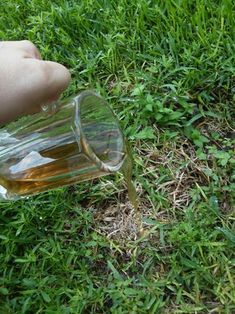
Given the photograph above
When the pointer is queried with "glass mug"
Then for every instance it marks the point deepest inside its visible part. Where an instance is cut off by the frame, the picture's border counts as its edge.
(77, 140)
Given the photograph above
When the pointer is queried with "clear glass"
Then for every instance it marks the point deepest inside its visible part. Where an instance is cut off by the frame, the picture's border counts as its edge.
(77, 140)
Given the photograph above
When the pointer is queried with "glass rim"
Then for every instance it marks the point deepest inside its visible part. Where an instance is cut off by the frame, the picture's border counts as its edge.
(86, 147)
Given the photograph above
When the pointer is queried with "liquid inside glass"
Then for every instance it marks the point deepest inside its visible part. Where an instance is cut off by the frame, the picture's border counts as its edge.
(80, 142)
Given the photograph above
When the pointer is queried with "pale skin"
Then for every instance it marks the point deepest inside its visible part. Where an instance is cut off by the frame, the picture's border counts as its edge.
(26, 81)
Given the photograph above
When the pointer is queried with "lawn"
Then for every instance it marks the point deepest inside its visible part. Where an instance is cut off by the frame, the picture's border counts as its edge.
(167, 68)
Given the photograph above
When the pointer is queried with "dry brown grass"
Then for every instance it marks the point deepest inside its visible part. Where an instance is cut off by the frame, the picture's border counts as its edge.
(118, 220)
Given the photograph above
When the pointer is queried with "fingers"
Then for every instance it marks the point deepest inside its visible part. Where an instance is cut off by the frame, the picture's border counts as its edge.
(45, 82)
(27, 82)
(57, 78)
(49, 81)
(25, 48)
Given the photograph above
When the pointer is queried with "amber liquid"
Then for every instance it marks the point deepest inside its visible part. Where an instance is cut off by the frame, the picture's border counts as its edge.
(30, 179)
(127, 172)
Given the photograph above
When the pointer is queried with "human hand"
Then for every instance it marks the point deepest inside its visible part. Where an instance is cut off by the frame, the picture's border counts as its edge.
(27, 82)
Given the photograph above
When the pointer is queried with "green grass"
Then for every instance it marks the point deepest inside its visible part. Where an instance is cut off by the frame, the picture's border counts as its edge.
(168, 70)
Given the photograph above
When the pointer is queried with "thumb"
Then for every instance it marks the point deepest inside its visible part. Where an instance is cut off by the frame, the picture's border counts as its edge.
(51, 80)
(30, 83)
